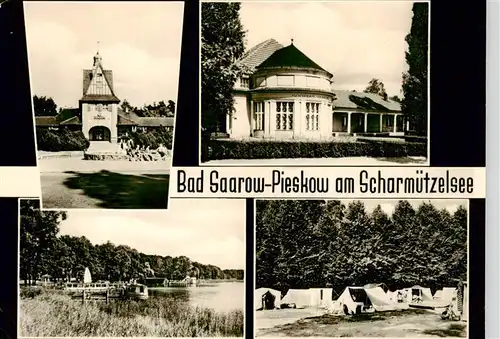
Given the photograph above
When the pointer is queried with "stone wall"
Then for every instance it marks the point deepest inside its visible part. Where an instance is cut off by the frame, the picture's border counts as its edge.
(134, 154)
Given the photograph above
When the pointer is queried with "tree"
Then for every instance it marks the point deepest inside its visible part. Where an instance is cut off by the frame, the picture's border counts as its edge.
(38, 232)
(303, 244)
(395, 98)
(222, 44)
(377, 87)
(43, 251)
(171, 108)
(126, 106)
(414, 103)
(44, 106)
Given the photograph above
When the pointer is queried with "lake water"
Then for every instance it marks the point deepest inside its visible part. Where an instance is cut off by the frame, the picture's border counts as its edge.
(223, 297)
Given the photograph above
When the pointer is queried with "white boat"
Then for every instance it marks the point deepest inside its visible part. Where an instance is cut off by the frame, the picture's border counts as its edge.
(137, 291)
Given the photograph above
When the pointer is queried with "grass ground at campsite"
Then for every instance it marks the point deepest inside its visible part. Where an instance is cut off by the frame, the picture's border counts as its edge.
(75, 183)
(399, 324)
(54, 314)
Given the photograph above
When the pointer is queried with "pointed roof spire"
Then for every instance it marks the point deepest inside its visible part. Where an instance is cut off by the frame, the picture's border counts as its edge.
(97, 57)
(292, 41)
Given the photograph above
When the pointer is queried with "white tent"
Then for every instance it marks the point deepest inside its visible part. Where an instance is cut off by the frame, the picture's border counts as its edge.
(301, 298)
(392, 295)
(260, 293)
(321, 297)
(448, 294)
(438, 295)
(417, 294)
(360, 299)
(87, 278)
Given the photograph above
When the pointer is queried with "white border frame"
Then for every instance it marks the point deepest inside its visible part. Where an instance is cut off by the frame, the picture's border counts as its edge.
(355, 199)
(492, 274)
(244, 226)
(170, 162)
(278, 164)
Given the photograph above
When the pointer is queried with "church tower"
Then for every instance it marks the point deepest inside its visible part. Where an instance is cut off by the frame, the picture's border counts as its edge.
(99, 104)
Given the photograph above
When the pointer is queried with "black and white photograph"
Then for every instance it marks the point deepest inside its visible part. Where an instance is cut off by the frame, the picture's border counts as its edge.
(361, 268)
(315, 83)
(104, 80)
(127, 273)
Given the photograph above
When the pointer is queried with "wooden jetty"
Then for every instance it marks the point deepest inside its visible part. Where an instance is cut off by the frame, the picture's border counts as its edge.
(129, 291)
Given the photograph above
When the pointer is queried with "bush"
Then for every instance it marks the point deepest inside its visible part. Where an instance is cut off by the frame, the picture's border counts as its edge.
(60, 140)
(235, 149)
(415, 138)
(153, 138)
(29, 292)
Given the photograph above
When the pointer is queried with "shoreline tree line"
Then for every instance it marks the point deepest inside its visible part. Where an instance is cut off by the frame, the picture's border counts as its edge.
(43, 251)
(315, 243)
(46, 106)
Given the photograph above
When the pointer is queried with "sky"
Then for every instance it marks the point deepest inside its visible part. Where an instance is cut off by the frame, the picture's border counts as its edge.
(139, 41)
(355, 41)
(388, 205)
(209, 231)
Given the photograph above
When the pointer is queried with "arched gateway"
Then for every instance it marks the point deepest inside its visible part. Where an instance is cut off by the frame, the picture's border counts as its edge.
(99, 133)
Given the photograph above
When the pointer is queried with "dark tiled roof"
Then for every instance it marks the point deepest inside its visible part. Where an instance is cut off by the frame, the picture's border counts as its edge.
(46, 121)
(87, 78)
(289, 56)
(99, 98)
(156, 121)
(257, 54)
(364, 101)
(124, 121)
(129, 114)
(67, 113)
(71, 121)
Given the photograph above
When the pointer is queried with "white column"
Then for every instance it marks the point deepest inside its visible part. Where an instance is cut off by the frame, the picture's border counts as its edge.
(272, 117)
(253, 125)
(366, 122)
(407, 125)
(395, 125)
(380, 123)
(297, 119)
(349, 122)
(267, 117)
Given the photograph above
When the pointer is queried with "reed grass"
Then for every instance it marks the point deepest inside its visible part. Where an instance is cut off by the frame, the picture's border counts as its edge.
(52, 314)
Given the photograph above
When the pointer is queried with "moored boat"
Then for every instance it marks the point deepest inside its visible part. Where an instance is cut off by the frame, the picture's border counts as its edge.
(137, 291)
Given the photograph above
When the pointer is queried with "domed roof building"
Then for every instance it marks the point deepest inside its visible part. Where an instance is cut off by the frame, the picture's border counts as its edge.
(283, 94)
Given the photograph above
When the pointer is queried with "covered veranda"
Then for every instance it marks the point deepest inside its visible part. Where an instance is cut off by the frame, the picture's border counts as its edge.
(368, 122)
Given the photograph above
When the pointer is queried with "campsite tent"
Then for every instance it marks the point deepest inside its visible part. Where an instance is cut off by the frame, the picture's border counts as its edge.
(382, 286)
(321, 297)
(448, 294)
(392, 295)
(301, 298)
(417, 294)
(361, 299)
(266, 298)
